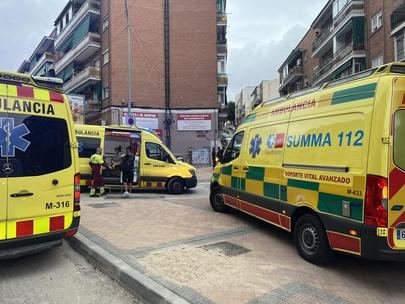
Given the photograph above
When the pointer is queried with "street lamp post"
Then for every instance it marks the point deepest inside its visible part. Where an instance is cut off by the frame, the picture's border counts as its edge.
(129, 61)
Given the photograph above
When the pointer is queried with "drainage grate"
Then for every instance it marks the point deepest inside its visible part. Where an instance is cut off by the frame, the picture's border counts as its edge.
(104, 205)
(298, 292)
(227, 248)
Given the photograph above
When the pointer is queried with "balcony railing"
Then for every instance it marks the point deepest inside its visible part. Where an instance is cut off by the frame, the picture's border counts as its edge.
(46, 57)
(400, 55)
(222, 48)
(222, 79)
(334, 62)
(88, 75)
(222, 19)
(89, 6)
(295, 72)
(325, 33)
(340, 18)
(92, 105)
(91, 41)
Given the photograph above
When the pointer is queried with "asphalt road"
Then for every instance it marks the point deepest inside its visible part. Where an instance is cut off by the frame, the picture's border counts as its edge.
(57, 276)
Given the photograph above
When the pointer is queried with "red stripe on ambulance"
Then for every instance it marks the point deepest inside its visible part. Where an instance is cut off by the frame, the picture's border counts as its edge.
(26, 92)
(25, 228)
(57, 223)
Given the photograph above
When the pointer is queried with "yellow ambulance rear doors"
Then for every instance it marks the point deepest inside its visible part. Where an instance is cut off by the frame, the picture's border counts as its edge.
(396, 195)
(38, 160)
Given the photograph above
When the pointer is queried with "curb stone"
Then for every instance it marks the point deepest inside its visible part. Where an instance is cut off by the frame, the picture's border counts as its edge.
(134, 281)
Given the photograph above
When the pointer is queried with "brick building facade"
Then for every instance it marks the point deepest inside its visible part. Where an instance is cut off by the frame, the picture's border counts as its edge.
(177, 47)
(348, 36)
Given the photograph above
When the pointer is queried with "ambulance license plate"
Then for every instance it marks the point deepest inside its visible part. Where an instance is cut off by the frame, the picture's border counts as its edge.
(400, 234)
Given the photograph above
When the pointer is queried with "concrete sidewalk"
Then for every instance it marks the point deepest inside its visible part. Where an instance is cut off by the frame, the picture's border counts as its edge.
(175, 249)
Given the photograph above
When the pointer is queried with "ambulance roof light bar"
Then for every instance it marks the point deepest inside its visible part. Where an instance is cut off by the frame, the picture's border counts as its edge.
(25, 79)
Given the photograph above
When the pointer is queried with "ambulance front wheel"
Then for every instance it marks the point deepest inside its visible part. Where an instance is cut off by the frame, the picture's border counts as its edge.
(175, 185)
(217, 201)
(311, 240)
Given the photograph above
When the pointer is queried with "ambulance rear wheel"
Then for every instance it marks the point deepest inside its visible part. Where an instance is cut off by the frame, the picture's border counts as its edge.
(175, 186)
(311, 240)
(217, 201)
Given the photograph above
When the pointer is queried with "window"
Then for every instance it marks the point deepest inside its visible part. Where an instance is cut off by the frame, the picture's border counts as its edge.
(67, 18)
(232, 152)
(87, 146)
(45, 148)
(285, 71)
(157, 152)
(376, 21)
(105, 23)
(106, 92)
(221, 65)
(338, 6)
(220, 6)
(106, 57)
(377, 61)
(221, 96)
(60, 27)
(399, 139)
(400, 46)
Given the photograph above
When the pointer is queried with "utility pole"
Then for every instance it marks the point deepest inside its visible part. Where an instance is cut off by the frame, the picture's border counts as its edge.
(129, 62)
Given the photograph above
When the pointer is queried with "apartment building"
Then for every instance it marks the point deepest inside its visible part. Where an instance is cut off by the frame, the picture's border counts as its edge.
(296, 72)
(178, 54)
(398, 30)
(348, 36)
(243, 103)
(222, 58)
(265, 91)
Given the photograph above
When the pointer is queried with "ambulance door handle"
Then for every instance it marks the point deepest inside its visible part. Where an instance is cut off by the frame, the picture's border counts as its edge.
(22, 194)
(236, 168)
(246, 169)
(147, 164)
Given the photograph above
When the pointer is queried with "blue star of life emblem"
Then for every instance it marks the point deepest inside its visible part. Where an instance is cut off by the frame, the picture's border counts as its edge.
(271, 141)
(255, 146)
(11, 137)
(81, 147)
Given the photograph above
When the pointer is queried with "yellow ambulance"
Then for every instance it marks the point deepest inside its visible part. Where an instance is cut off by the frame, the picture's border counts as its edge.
(326, 164)
(155, 166)
(39, 168)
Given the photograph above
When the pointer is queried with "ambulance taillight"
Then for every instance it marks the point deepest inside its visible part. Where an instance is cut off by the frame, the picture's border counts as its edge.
(376, 201)
(77, 193)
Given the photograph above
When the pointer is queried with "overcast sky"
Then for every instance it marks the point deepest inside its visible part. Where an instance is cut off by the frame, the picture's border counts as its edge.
(23, 24)
(261, 34)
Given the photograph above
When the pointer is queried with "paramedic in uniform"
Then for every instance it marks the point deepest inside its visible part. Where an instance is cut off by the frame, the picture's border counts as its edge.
(96, 162)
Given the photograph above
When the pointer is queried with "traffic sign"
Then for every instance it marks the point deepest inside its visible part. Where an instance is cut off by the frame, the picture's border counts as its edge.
(131, 120)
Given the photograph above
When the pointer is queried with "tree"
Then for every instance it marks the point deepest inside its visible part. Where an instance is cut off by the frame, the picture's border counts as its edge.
(231, 112)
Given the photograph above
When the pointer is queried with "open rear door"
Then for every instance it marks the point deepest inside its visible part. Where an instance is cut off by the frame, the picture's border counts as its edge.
(396, 206)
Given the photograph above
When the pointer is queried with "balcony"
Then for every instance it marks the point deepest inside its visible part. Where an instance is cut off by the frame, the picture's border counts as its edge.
(352, 9)
(222, 48)
(222, 80)
(398, 20)
(80, 80)
(338, 59)
(90, 6)
(46, 57)
(85, 49)
(92, 105)
(293, 76)
(222, 19)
